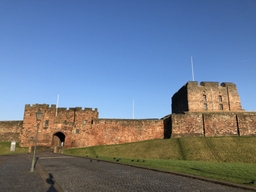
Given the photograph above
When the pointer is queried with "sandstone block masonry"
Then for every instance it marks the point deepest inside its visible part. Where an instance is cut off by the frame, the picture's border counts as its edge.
(76, 127)
(208, 109)
(10, 130)
(209, 124)
(208, 96)
(202, 110)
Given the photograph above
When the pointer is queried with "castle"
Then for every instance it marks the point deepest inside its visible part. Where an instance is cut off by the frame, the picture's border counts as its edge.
(205, 109)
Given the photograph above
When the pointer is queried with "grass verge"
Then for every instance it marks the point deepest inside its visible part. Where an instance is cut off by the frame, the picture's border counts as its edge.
(5, 149)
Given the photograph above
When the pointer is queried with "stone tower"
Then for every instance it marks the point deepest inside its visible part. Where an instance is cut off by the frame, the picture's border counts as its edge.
(206, 97)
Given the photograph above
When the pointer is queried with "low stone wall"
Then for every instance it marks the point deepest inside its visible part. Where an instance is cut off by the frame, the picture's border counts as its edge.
(220, 124)
(118, 131)
(247, 123)
(210, 124)
(10, 130)
(189, 124)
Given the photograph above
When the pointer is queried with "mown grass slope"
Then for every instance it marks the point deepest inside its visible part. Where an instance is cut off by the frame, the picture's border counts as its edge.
(211, 149)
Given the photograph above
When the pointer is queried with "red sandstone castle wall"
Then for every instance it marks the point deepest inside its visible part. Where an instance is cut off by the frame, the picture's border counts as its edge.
(208, 96)
(63, 120)
(247, 123)
(83, 128)
(10, 130)
(188, 124)
(211, 124)
(220, 124)
(118, 131)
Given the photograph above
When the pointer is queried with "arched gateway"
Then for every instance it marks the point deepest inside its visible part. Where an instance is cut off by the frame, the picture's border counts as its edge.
(58, 139)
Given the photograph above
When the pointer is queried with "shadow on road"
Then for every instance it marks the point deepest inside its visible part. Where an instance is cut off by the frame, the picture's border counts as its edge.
(51, 182)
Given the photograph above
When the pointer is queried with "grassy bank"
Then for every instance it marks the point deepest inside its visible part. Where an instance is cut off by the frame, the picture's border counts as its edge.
(229, 159)
(5, 149)
(219, 149)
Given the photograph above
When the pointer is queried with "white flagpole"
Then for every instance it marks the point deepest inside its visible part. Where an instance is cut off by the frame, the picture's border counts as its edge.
(192, 66)
(57, 105)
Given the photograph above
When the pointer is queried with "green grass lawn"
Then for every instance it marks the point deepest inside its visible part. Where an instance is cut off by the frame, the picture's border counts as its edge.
(5, 149)
(231, 159)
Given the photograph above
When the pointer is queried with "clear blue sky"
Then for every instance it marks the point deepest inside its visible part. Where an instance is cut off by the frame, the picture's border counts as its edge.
(106, 53)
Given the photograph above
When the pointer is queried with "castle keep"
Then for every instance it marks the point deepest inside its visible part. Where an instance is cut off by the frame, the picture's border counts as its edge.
(208, 96)
(208, 109)
(205, 109)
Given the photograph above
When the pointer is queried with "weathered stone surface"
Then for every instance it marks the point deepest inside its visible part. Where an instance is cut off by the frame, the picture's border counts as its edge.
(220, 124)
(10, 130)
(247, 123)
(189, 124)
(83, 128)
(210, 124)
(208, 96)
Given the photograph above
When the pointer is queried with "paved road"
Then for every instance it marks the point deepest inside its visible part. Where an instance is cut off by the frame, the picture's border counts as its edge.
(64, 173)
(15, 175)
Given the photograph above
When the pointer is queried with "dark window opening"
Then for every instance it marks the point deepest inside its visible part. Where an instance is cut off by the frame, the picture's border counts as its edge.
(46, 123)
(205, 106)
(220, 98)
(77, 131)
(221, 107)
(204, 97)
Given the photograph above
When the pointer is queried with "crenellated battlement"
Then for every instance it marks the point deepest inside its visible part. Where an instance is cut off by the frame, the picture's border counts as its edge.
(53, 106)
(209, 84)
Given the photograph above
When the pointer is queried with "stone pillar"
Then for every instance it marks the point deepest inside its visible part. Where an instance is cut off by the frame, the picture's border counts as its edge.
(55, 149)
(29, 149)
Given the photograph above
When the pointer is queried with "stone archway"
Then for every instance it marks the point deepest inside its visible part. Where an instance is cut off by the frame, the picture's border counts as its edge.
(58, 139)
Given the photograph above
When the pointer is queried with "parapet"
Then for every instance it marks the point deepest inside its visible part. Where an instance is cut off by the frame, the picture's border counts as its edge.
(191, 83)
(209, 84)
(53, 106)
(225, 84)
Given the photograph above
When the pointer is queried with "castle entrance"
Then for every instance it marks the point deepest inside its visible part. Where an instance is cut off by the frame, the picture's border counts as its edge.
(58, 139)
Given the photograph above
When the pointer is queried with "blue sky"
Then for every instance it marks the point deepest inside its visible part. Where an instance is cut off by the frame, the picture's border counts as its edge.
(106, 54)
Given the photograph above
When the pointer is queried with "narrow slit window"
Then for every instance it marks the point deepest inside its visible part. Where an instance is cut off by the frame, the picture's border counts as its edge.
(204, 97)
(221, 107)
(220, 98)
(46, 123)
(205, 106)
(77, 131)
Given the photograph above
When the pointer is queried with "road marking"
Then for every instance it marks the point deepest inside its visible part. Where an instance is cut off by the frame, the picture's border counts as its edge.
(56, 157)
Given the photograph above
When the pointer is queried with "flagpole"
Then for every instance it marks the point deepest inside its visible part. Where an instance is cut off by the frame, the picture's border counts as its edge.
(192, 67)
(57, 105)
